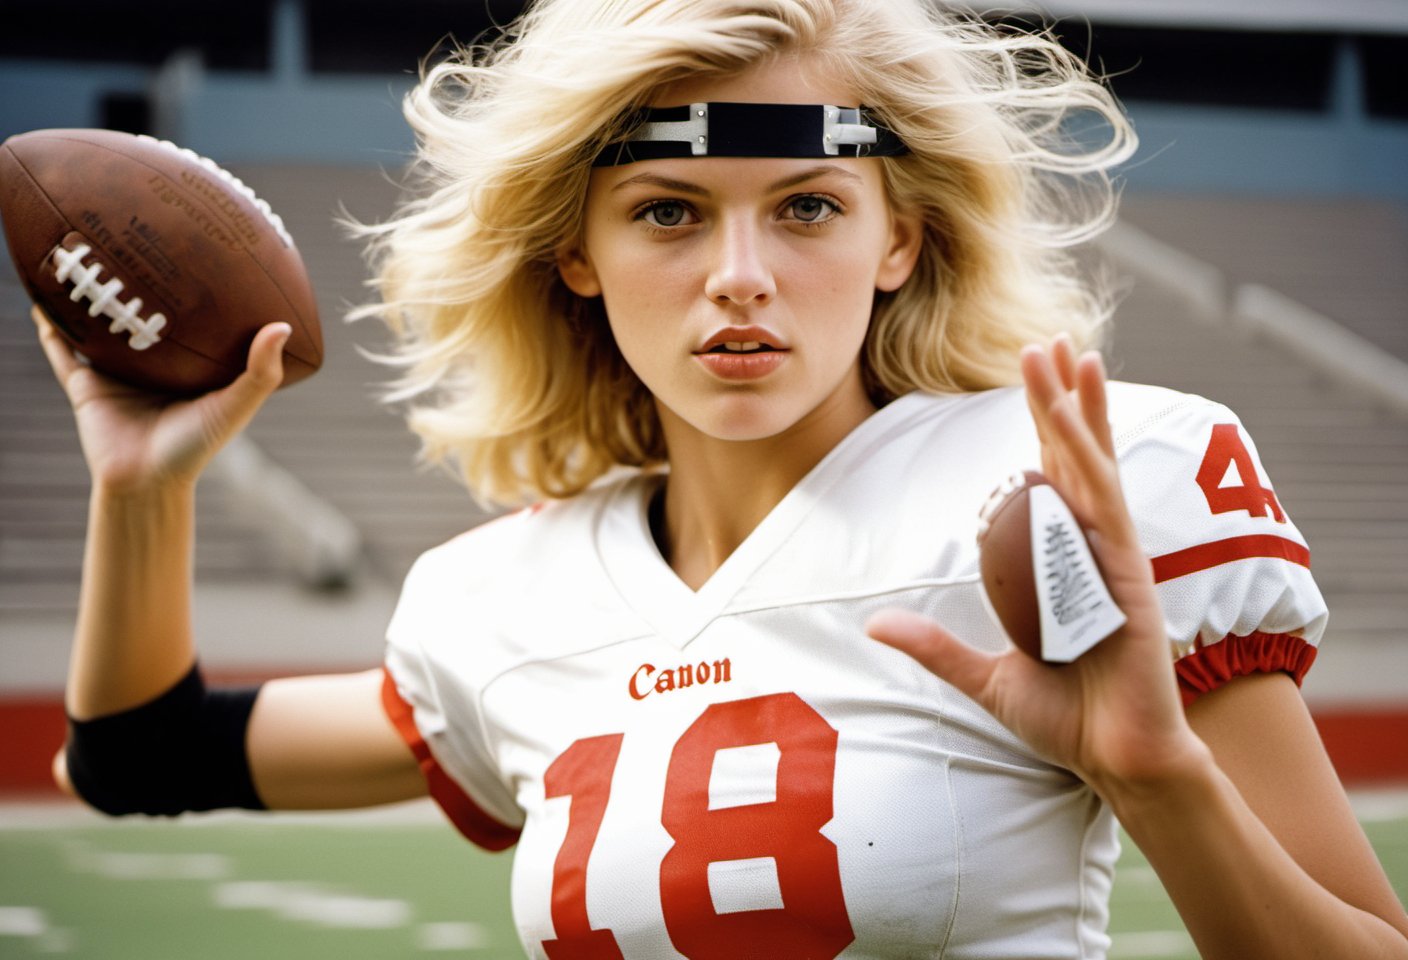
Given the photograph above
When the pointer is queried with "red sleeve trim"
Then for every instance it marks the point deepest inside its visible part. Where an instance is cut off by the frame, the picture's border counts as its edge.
(1209, 667)
(467, 816)
(1180, 563)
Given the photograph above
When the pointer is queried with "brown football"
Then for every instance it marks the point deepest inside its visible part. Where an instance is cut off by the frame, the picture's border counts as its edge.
(156, 264)
(1005, 561)
(1042, 584)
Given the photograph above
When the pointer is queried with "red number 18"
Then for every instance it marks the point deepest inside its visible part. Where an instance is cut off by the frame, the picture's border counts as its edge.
(812, 921)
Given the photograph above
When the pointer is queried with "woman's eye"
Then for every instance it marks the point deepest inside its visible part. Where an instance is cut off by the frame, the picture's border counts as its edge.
(666, 213)
(811, 209)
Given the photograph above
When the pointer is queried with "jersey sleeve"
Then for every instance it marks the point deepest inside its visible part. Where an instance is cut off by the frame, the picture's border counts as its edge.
(436, 711)
(1233, 572)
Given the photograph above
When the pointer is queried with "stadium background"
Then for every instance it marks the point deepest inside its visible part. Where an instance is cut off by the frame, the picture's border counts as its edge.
(1264, 254)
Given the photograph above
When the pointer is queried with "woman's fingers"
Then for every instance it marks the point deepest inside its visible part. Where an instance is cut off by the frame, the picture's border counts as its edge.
(56, 349)
(1063, 359)
(935, 648)
(262, 375)
(1052, 376)
(1057, 372)
(1090, 388)
(1046, 395)
(264, 371)
(1076, 438)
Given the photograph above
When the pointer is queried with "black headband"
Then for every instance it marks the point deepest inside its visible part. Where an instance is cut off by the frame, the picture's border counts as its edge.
(752, 130)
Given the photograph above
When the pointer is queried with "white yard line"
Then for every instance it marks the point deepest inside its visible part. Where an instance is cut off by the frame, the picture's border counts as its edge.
(433, 937)
(1380, 805)
(22, 922)
(314, 904)
(31, 924)
(66, 814)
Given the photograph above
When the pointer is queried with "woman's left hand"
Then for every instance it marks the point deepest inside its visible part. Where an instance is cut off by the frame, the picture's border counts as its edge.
(1113, 716)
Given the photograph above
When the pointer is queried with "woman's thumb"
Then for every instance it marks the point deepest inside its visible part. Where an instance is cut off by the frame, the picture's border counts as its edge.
(946, 656)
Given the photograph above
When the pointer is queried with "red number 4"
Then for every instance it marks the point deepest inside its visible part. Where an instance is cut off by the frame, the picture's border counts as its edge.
(1226, 448)
(812, 921)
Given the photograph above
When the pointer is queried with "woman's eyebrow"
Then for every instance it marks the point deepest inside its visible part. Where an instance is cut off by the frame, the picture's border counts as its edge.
(812, 173)
(684, 186)
(667, 183)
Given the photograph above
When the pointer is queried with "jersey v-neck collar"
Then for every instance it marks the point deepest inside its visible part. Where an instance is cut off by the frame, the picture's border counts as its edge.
(653, 590)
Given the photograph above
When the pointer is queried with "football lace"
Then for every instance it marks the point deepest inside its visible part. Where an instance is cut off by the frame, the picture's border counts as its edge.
(234, 182)
(126, 317)
(995, 499)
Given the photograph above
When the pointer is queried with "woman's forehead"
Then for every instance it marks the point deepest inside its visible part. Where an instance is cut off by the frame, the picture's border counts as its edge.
(783, 79)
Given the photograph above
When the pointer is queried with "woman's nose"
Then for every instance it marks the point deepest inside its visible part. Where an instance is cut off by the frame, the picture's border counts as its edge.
(739, 273)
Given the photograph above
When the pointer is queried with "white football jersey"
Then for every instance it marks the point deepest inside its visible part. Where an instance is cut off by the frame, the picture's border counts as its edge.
(740, 772)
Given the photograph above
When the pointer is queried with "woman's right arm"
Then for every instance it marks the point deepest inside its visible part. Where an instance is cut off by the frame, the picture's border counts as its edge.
(311, 742)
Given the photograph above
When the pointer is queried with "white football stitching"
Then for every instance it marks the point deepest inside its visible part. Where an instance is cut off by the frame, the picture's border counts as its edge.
(1004, 490)
(235, 183)
(124, 316)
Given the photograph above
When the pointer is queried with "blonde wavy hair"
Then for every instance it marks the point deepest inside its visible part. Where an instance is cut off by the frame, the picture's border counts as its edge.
(517, 382)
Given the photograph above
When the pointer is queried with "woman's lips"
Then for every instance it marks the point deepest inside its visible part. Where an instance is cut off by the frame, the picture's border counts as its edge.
(742, 366)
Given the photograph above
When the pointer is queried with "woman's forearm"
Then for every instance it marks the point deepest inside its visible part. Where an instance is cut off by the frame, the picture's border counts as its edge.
(1238, 891)
(133, 637)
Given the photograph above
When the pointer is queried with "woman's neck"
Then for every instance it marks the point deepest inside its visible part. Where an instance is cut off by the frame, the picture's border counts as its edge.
(718, 491)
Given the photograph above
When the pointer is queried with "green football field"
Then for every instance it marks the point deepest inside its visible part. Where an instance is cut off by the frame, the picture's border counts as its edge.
(361, 888)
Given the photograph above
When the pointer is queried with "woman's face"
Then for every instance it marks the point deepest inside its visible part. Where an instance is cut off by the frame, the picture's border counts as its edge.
(740, 289)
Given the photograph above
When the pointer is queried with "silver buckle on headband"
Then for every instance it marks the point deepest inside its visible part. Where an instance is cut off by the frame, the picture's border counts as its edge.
(694, 131)
(843, 125)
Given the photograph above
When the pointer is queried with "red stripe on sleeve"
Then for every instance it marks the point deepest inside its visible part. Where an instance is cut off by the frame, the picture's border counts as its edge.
(1180, 563)
(1209, 667)
(467, 816)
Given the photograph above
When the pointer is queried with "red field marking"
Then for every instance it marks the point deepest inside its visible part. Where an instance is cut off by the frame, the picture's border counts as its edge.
(1367, 745)
(31, 732)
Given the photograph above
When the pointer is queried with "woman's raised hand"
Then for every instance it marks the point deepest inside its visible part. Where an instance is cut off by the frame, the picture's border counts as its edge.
(1114, 715)
(135, 441)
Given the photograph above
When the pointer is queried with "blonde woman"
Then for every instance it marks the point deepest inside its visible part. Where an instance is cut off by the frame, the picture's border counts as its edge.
(735, 294)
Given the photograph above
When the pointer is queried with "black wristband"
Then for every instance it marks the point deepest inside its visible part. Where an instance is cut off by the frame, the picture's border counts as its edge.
(185, 750)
